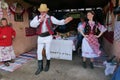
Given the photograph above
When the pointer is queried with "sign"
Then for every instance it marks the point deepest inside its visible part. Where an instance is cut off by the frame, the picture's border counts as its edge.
(61, 49)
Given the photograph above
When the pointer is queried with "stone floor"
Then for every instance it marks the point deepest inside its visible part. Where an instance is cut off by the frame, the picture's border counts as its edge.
(59, 70)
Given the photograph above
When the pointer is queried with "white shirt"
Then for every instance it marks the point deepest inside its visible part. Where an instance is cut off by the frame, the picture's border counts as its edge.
(35, 22)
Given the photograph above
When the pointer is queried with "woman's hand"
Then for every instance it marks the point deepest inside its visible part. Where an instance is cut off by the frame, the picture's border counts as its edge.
(97, 36)
(85, 36)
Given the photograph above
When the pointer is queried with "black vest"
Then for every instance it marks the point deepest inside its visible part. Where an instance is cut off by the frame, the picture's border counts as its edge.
(88, 30)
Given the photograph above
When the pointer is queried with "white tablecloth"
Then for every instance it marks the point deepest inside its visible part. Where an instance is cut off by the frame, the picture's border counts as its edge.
(62, 49)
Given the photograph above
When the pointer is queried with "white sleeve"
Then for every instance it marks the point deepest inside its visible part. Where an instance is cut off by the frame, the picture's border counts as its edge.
(35, 22)
(56, 21)
(101, 27)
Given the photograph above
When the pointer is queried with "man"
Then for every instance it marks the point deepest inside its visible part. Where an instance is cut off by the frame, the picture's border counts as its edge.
(79, 36)
(44, 23)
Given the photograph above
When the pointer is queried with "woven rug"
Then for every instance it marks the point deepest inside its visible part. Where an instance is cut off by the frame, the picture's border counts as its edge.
(19, 61)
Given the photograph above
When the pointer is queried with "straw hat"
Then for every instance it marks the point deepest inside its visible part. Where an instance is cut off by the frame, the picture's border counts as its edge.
(43, 7)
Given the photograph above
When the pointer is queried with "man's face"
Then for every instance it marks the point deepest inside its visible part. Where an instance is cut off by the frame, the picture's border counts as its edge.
(43, 12)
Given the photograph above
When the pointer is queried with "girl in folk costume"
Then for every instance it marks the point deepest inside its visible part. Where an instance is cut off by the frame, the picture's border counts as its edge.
(90, 45)
(45, 30)
(6, 36)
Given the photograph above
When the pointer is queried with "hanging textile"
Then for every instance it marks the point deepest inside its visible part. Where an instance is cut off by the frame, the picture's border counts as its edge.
(117, 37)
(30, 31)
(117, 31)
(4, 5)
(13, 8)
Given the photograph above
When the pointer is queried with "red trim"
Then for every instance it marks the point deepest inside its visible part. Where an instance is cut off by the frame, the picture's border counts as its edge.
(48, 25)
(39, 28)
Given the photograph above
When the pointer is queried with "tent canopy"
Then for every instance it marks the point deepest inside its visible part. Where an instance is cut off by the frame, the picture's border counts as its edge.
(69, 4)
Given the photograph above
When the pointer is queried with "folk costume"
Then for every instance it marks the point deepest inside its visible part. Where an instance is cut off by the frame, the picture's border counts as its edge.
(44, 31)
(90, 45)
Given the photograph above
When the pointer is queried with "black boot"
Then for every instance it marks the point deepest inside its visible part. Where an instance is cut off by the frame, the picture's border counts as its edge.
(91, 65)
(84, 64)
(40, 67)
(47, 66)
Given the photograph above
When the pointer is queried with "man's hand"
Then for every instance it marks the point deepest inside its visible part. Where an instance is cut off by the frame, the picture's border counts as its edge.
(42, 18)
(68, 19)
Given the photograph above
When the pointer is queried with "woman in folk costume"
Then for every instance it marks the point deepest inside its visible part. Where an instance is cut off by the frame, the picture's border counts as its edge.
(43, 23)
(90, 45)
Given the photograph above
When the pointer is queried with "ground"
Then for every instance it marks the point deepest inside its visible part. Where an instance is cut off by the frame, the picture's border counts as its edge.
(59, 70)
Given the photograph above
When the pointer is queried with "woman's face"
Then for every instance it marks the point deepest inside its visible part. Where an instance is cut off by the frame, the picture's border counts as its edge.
(90, 15)
(4, 22)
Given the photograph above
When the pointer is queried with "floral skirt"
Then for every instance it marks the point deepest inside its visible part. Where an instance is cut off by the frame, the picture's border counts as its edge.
(6, 53)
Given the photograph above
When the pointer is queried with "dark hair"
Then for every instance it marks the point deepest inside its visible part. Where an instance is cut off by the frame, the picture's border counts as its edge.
(5, 20)
(93, 13)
